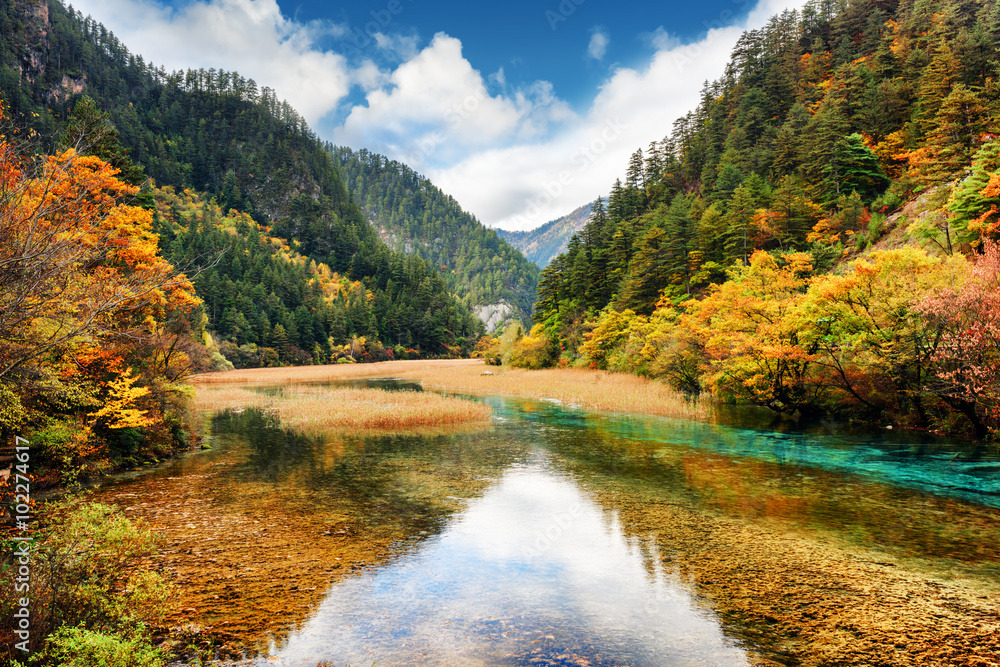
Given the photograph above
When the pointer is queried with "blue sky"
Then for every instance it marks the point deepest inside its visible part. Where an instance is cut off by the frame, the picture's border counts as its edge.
(521, 110)
(552, 41)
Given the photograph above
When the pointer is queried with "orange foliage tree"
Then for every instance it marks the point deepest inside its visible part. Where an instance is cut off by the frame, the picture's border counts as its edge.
(95, 326)
(77, 263)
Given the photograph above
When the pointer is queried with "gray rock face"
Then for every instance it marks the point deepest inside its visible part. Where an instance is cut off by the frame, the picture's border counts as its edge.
(495, 314)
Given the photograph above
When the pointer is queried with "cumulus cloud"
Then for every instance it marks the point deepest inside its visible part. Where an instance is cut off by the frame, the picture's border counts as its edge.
(436, 108)
(248, 36)
(531, 183)
(598, 44)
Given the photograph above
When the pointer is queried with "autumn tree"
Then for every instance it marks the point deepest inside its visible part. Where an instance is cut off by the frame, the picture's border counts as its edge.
(966, 359)
(864, 326)
(75, 262)
(750, 330)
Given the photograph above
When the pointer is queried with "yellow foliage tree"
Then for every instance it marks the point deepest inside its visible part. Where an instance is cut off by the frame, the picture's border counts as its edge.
(749, 328)
(865, 327)
(119, 410)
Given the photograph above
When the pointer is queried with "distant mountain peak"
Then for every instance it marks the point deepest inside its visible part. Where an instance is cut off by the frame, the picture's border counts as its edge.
(543, 244)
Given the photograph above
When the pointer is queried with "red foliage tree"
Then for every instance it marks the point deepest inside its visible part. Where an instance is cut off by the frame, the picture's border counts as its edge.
(967, 358)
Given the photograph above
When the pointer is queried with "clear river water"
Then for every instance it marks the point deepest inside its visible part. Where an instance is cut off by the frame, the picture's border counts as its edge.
(519, 543)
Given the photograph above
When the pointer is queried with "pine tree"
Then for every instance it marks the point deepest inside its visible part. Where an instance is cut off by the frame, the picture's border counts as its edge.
(858, 169)
(823, 137)
(958, 127)
(647, 275)
(972, 201)
(679, 228)
(936, 84)
(747, 200)
(596, 235)
(794, 213)
(619, 205)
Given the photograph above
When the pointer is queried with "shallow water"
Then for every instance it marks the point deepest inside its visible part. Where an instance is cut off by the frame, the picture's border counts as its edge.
(533, 570)
(510, 547)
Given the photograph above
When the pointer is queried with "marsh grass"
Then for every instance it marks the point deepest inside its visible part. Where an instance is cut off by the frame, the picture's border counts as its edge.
(316, 409)
(590, 389)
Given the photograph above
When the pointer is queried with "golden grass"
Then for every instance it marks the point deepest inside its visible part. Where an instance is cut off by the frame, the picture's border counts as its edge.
(315, 409)
(590, 389)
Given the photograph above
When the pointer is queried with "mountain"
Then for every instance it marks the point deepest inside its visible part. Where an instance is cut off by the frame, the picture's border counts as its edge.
(820, 235)
(217, 133)
(412, 215)
(542, 244)
(824, 123)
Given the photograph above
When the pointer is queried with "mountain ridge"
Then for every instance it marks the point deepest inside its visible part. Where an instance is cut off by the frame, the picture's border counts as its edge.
(543, 244)
(218, 133)
(413, 215)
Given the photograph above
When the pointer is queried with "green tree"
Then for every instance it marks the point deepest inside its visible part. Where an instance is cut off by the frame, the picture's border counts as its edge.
(858, 169)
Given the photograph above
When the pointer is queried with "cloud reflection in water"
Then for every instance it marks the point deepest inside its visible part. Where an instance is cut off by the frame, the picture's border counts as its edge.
(533, 569)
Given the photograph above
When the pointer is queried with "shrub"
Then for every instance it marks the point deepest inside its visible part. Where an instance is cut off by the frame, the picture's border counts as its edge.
(12, 413)
(89, 571)
(489, 349)
(887, 202)
(534, 351)
(79, 647)
(65, 448)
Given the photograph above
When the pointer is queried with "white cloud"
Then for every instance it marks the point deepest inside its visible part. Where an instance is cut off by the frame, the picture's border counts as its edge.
(403, 47)
(435, 108)
(661, 40)
(248, 36)
(515, 157)
(598, 44)
(530, 183)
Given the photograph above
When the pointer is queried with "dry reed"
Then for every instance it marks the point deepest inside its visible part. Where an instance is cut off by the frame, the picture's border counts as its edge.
(591, 389)
(314, 409)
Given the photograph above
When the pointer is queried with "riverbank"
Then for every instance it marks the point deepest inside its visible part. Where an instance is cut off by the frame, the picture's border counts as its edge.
(585, 388)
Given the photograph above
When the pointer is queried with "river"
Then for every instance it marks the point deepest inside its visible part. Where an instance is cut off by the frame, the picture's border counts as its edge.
(556, 536)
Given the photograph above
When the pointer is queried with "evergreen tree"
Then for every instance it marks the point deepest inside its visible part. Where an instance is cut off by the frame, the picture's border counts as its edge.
(935, 85)
(858, 169)
(958, 127)
(821, 148)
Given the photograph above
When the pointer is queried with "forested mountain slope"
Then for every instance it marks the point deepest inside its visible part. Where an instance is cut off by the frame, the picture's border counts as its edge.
(272, 305)
(216, 132)
(710, 265)
(412, 215)
(543, 244)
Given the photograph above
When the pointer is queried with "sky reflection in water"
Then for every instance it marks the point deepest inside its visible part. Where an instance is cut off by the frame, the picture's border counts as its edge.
(532, 569)
(535, 568)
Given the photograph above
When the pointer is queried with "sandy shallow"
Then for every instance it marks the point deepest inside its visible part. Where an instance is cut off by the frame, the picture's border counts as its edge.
(807, 601)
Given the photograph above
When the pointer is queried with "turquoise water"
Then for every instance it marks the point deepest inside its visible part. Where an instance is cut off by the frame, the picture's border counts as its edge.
(966, 470)
(515, 553)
